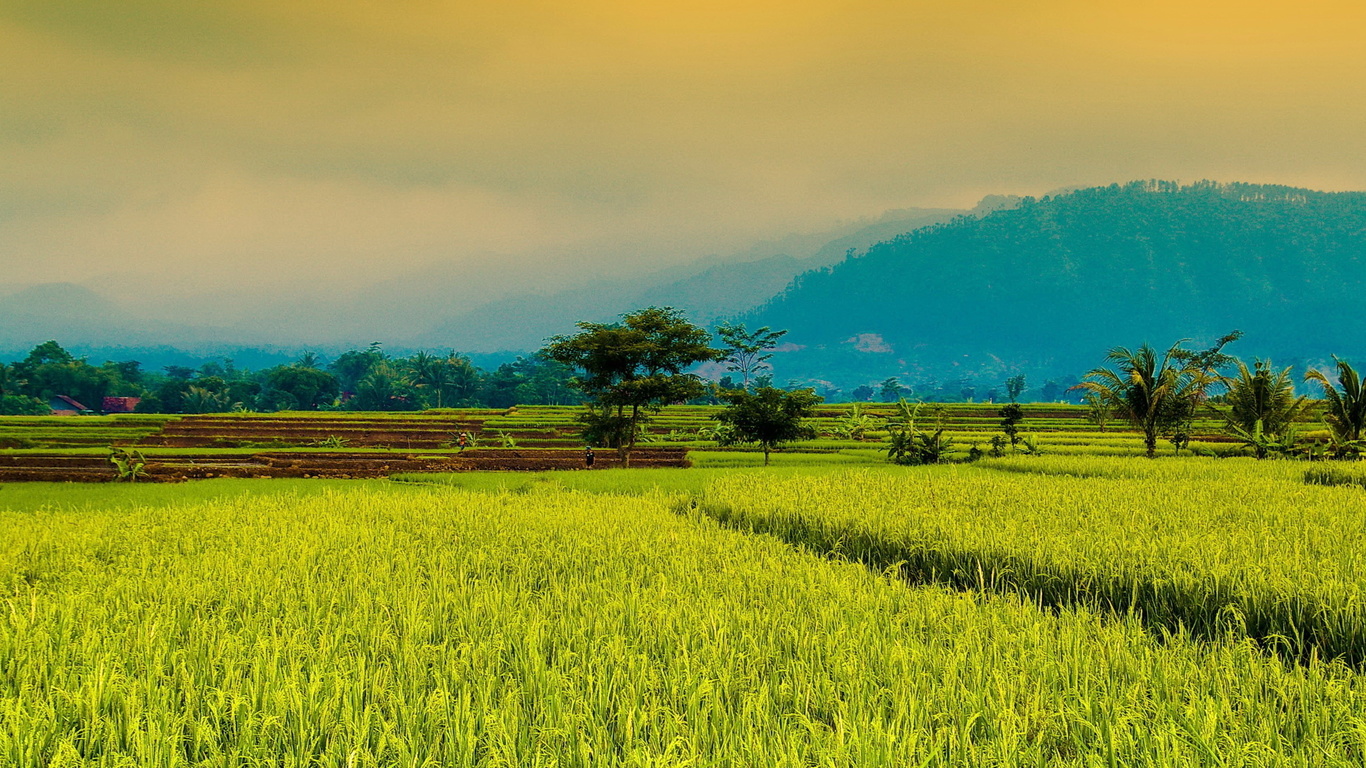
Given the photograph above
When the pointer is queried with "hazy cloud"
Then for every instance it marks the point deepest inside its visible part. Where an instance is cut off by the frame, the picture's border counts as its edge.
(200, 146)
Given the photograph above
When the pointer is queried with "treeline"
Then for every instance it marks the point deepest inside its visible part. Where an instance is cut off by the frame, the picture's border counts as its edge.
(360, 380)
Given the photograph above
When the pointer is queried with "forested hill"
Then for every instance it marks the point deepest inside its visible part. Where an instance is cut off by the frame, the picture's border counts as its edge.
(1056, 281)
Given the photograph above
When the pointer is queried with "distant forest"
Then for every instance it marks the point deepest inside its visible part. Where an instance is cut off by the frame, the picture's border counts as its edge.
(370, 379)
(361, 380)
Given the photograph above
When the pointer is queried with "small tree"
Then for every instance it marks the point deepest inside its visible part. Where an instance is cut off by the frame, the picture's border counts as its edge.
(1097, 410)
(768, 416)
(1015, 386)
(1011, 415)
(1157, 394)
(890, 390)
(634, 368)
(1346, 416)
(1262, 407)
(745, 351)
(909, 444)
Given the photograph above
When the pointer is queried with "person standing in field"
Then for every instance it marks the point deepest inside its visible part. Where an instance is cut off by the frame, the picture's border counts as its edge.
(588, 457)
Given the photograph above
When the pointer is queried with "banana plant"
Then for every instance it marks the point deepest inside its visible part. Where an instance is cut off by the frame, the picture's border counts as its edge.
(129, 464)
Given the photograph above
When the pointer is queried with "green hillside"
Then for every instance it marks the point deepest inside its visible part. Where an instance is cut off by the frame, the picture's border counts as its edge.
(1050, 285)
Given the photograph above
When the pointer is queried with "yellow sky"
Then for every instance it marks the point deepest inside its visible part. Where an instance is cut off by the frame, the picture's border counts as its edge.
(234, 143)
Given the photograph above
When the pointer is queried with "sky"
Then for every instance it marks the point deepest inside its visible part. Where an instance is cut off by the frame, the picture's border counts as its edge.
(215, 157)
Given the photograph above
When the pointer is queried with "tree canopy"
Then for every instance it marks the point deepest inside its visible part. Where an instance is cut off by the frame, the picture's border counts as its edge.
(635, 367)
(767, 416)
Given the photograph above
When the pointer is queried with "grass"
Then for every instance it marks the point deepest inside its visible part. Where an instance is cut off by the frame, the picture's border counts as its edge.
(1336, 474)
(369, 625)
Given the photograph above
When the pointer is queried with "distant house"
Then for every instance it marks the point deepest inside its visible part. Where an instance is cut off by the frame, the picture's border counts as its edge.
(62, 405)
(119, 404)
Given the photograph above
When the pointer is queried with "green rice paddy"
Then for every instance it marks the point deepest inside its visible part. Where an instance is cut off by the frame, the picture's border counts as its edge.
(829, 610)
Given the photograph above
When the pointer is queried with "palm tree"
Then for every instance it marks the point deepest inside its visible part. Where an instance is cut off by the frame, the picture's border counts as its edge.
(429, 372)
(1346, 415)
(1157, 394)
(1262, 406)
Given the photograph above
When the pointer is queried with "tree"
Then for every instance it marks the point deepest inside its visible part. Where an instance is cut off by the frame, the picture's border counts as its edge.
(1262, 407)
(432, 374)
(1346, 414)
(745, 350)
(1157, 395)
(768, 416)
(1011, 415)
(1051, 392)
(22, 405)
(1015, 386)
(635, 367)
(309, 387)
(352, 366)
(908, 444)
(890, 389)
(384, 388)
(862, 393)
(1097, 410)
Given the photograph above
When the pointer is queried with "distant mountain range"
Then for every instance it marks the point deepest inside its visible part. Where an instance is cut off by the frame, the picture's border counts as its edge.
(711, 288)
(707, 292)
(1049, 285)
(1042, 286)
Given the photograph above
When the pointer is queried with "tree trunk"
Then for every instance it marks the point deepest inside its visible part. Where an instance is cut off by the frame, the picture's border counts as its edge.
(1150, 443)
(766, 454)
(631, 442)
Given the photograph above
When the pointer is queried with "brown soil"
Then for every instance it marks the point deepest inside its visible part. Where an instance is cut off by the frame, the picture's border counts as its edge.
(32, 467)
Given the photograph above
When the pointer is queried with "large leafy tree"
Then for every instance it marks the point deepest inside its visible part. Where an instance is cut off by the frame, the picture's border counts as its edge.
(50, 370)
(1261, 405)
(309, 387)
(633, 368)
(768, 416)
(1157, 394)
(746, 352)
(1346, 414)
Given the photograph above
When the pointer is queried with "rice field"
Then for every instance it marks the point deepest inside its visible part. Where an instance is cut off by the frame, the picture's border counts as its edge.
(800, 615)
(1213, 548)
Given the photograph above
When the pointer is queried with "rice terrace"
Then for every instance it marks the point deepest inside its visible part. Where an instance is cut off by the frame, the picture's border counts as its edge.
(803, 384)
(1059, 601)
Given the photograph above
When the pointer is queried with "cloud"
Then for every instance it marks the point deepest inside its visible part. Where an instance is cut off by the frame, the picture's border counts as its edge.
(311, 141)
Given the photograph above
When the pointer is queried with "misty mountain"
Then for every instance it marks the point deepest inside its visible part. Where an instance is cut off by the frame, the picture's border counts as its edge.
(65, 310)
(708, 290)
(1053, 283)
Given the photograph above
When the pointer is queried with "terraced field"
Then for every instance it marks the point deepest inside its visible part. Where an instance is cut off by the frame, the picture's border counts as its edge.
(528, 437)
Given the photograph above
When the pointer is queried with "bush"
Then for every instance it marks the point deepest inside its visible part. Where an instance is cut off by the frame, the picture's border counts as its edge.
(22, 405)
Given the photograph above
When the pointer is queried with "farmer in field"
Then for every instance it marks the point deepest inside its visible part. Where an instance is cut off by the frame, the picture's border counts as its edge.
(464, 441)
(588, 457)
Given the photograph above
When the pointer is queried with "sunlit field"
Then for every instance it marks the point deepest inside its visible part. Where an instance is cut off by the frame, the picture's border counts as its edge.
(1021, 611)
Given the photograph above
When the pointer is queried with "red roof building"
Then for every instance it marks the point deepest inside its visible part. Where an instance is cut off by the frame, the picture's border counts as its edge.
(119, 404)
(62, 405)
